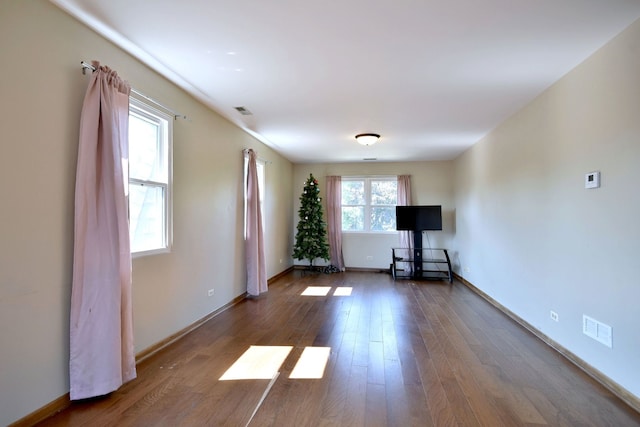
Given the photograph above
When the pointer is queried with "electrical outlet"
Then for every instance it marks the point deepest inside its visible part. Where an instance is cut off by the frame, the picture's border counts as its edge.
(554, 316)
(369, 258)
(467, 270)
(210, 292)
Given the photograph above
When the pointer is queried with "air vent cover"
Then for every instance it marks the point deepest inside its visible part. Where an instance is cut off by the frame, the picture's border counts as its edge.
(243, 111)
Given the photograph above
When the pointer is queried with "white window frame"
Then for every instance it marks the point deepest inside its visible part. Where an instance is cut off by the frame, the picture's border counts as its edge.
(165, 122)
(367, 206)
(262, 170)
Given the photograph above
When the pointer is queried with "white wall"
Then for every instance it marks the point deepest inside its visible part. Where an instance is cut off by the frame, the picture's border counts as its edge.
(431, 184)
(530, 234)
(42, 88)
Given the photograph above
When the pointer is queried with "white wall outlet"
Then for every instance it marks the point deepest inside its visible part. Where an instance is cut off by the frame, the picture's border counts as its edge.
(369, 258)
(554, 316)
(592, 180)
(210, 292)
(467, 270)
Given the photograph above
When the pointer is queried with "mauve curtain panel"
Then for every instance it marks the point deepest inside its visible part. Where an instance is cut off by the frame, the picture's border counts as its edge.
(334, 220)
(254, 243)
(102, 355)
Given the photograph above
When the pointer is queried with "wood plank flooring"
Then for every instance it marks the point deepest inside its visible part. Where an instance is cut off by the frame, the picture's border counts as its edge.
(402, 354)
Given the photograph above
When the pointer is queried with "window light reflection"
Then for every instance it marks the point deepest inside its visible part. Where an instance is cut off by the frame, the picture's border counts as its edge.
(258, 362)
(312, 363)
(316, 291)
(343, 292)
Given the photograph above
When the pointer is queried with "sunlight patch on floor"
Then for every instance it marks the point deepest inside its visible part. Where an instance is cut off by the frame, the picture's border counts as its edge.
(312, 363)
(257, 363)
(343, 291)
(323, 291)
(316, 291)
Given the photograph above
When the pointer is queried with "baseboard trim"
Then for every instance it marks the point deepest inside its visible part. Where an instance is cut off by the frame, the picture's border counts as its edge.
(150, 351)
(615, 388)
(146, 353)
(64, 401)
(352, 269)
(366, 270)
(279, 275)
(43, 413)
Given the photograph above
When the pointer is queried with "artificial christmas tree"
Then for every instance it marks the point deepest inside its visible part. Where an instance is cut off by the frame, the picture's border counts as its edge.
(311, 238)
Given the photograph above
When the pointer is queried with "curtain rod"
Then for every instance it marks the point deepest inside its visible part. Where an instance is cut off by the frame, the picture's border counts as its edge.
(86, 66)
(245, 151)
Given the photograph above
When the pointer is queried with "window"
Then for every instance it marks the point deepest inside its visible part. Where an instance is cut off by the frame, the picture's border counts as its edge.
(260, 169)
(368, 204)
(150, 141)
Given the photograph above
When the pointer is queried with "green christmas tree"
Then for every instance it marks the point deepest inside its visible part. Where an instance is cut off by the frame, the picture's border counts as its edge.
(311, 238)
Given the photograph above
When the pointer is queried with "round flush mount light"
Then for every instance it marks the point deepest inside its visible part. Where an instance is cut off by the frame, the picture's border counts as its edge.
(367, 138)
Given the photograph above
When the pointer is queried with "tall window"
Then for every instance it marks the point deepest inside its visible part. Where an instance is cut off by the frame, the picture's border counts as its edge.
(368, 204)
(150, 142)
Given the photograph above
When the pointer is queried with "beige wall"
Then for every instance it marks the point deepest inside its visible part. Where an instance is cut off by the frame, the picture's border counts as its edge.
(41, 92)
(516, 214)
(431, 184)
(532, 237)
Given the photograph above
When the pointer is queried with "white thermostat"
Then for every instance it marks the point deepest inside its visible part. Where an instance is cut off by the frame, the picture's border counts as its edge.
(592, 180)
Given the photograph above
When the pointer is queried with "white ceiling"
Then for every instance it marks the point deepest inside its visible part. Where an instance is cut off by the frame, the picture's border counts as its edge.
(431, 76)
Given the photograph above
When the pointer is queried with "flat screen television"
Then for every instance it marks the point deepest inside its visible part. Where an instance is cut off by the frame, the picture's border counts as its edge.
(419, 218)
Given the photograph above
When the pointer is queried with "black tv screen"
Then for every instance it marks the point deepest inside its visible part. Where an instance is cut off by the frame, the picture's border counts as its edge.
(418, 218)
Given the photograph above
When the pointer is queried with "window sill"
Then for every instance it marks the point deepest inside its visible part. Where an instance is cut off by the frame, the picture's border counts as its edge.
(150, 252)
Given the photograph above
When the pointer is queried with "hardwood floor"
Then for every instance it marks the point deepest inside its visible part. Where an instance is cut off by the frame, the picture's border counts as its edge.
(402, 354)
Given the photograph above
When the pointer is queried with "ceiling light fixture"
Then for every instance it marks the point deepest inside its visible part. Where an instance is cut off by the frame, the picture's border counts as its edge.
(367, 138)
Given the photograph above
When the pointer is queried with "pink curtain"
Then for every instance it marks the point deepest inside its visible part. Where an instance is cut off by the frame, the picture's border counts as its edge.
(254, 243)
(404, 199)
(334, 220)
(102, 355)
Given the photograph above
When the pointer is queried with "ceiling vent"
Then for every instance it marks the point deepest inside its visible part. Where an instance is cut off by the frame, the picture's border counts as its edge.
(243, 111)
(370, 158)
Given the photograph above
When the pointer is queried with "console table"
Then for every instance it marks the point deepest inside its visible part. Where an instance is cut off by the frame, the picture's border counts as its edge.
(421, 263)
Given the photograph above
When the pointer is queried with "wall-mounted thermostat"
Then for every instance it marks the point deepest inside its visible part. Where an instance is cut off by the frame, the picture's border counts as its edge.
(592, 180)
